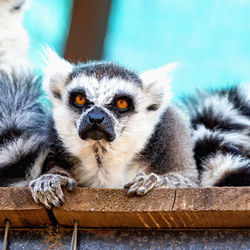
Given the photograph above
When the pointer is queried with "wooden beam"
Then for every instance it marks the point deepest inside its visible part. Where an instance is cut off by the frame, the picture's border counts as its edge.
(88, 30)
(162, 208)
(16, 205)
(113, 208)
(213, 207)
(184, 208)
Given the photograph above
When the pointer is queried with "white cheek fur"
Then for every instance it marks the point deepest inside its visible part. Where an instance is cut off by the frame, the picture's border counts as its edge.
(132, 132)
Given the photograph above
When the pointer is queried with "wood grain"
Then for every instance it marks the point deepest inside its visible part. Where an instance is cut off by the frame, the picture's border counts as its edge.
(162, 208)
(184, 208)
(16, 204)
(213, 207)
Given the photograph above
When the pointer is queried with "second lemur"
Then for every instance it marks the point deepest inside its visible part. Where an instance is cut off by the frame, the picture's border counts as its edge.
(113, 127)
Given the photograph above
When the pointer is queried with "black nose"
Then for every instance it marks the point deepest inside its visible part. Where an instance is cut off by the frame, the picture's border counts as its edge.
(96, 118)
(97, 125)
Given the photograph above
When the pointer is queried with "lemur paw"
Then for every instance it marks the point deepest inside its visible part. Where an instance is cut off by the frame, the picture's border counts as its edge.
(142, 183)
(47, 189)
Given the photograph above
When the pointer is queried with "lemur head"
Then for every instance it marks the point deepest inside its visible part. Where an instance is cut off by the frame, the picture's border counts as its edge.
(100, 101)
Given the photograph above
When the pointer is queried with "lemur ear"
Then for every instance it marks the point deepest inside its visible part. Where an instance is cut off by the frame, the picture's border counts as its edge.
(159, 76)
(156, 83)
(56, 72)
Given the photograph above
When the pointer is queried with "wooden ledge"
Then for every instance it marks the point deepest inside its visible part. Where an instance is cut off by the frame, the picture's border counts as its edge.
(161, 208)
(16, 204)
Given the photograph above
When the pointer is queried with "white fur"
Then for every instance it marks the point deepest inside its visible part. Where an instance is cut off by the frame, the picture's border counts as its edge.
(119, 155)
(245, 90)
(14, 41)
(239, 139)
(55, 72)
(11, 151)
(217, 166)
(221, 107)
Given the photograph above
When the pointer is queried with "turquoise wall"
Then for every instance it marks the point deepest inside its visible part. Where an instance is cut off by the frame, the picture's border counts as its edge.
(47, 22)
(211, 39)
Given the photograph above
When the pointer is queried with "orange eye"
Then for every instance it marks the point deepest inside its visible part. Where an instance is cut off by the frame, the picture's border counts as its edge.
(80, 99)
(121, 104)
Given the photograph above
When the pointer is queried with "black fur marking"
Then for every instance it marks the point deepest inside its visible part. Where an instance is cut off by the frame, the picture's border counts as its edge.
(235, 96)
(59, 155)
(17, 170)
(236, 177)
(156, 151)
(214, 119)
(210, 145)
(79, 108)
(18, 6)
(56, 94)
(9, 134)
(100, 70)
(97, 155)
(121, 113)
(98, 160)
(211, 120)
(22, 115)
(153, 107)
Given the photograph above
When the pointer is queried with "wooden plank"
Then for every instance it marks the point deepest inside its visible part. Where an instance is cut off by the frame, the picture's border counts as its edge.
(16, 204)
(213, 207)
(162, 208)
(88, 30)
(113, 208)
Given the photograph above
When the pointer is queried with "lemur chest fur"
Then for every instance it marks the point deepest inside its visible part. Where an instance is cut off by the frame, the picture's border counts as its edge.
(105, 168)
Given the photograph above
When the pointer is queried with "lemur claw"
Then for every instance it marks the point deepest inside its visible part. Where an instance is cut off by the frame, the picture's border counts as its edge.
(142, 184)
(47, 189)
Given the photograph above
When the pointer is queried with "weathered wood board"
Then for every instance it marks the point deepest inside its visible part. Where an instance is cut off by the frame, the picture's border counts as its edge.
(16, 205)
(162, 208)
(185, 208)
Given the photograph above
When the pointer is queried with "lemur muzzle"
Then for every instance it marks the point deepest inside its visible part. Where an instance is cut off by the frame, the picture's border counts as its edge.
(97, 125)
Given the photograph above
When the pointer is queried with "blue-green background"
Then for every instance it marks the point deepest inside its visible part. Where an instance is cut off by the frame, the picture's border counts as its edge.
(210, 38)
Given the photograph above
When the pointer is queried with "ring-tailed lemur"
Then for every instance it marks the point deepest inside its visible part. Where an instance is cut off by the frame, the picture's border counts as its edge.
(112, 128)
(221, 136)
(14, 41)
(24, 126)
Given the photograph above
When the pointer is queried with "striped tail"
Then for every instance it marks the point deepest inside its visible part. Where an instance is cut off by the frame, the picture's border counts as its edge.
(221, 136)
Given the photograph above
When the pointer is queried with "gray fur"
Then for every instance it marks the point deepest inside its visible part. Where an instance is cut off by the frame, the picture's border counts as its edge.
(151, 147)
(221, 135)
(99, 70)
(23, 129)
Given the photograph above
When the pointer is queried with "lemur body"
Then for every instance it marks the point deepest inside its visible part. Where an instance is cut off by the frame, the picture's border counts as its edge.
(23, 129)
(221, 136)
(143, 145)
(14, 41)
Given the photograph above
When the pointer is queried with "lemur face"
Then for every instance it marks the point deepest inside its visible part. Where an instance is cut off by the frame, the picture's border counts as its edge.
(101, 101)
(103, 97)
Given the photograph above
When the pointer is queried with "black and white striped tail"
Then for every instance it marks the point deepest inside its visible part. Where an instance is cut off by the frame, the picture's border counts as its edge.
(23, 129)
(221, 136)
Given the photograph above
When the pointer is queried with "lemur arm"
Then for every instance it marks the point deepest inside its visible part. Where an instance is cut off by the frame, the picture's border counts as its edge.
(170, 157)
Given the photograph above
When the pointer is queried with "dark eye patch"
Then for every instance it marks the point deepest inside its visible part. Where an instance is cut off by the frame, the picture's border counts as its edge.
(122, 112)
(72, 96)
